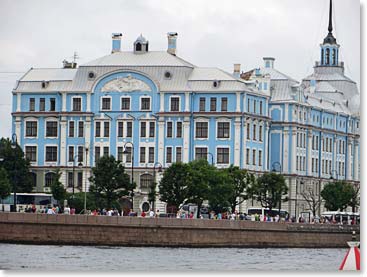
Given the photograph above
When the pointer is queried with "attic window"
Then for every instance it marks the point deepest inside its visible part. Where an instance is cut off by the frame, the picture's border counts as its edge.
(167, 75)
(138, 47)
(44, 84)
(91, 75)
(216, 83)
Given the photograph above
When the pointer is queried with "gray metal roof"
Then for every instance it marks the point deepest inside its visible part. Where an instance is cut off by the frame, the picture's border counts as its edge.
(49, 74)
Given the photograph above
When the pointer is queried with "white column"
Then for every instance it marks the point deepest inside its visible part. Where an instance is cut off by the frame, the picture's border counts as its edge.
(294, 151)
(356, 160)
(161, 141)
(87, 134)
(161, 104)
(63, 141)
(237, 141)
(186, 140)
(88, 102)
(245, 122)
(266, 143)
(63, 101)
(285, 165)
(286, 112)
(309, 153)
(18, 124)
(19, 100)
(238, 102)
(187, 101)
(348, 161)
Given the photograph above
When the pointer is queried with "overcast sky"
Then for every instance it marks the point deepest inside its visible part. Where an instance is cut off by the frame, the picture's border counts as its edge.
(210, 34)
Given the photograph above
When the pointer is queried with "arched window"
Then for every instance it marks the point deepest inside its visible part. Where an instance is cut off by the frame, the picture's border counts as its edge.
(334, 57)
(49, 178)
(146, 180)
(327, 56)
(138, 47)
(322, 56)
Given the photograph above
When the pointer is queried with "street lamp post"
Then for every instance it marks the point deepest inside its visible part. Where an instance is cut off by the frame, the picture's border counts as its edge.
(74, 158)
(132, 170)
(154, 182)
(212, 156)
(85, 188)
(14, 143)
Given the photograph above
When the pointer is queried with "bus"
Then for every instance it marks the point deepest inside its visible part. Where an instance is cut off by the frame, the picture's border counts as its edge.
(24, 200)
(342, 217)
(266, 211)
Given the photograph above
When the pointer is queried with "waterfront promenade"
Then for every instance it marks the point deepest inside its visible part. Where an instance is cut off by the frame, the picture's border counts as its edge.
(136, 231)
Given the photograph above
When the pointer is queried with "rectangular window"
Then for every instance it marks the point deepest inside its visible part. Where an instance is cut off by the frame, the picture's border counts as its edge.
(178, 154)
(202, 129)
(106, 103)
(71, 153)
(248, 130)
(143, 129)
(175, 104)
(129, 130)
(71, 129)
(317, 165)
(42, 104)
(106, 151)
(80, 154)
(322, 166)
(248, 105)
(255, 110)
(224, 104)
(51, 129)
(151, 155)
(213, 104)
(223, 130)
(169, 129)
(202, 104)
(98, 129)
(31, 153)
(297, 163)
(142, 154)
(70, 179)
(254, 156)
(201, 153)
(261, 106)
(120, 153)
(169, 155)
(81, 129)
(222, 155)
(151, 129)
(178, 129)
(145, 104)
(128, 154)
(97, 153)
(260, 158)
(254, 132)
(260, 133)
(52, 104)
(51, 153)
(32, 104)
(120, 129)
(77, 104)
(247, 156)
(125, 103)
(106, 132)
(31, 129)
(313, 165)
(80, 180)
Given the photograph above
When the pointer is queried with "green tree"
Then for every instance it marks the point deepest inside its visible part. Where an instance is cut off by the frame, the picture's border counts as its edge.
(220, 191)
(109, 180)
(16, 166)
(355, 200)
(152, 194)
(5, 186)
(78, 202)
(173, 187)
(239, 180)
(270, 189)
(57, 188)
(337, 195)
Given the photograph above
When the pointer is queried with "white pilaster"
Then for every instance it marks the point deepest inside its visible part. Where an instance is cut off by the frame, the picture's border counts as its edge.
(238, 102)
(186, 140)
(187, 101)
(356, 160)
(245, 122)
(286, 112)
(309, 153)
(348, 161)
(266, 143)
(19, 100)
(88, 102)
(63, 109)
(237, 141)
(285, 166)
(18, 124)
(161, 141)
(63, 141)
(294, 151)
(161, 104)
(87, 134)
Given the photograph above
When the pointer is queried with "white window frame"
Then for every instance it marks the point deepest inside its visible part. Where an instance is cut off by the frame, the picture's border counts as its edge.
(201, 121)
(101, 103)
(45, 153)
(58, 128)
(125, 96)
(72, 103)
(140, 103)
(179, 103)
(173, 129)
(202, 146)
(25, 127)
(216, 156)
(34, 145)
(216, 129)
(172, 155)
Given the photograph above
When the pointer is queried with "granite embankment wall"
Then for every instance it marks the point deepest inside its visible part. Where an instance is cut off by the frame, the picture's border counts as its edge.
(132, 231)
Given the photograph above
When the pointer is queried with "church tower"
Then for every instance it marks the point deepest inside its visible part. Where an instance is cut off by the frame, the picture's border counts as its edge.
(329, 48)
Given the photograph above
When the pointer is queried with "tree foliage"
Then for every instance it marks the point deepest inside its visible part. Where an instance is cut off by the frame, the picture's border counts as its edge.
(270, 189)
(16, 166)
(312, 199)
(109, 180)
(337, 195)
(173, 188)
(57, 189)
(5, 186)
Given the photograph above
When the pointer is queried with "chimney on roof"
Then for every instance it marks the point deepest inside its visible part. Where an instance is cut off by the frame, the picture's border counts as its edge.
(236, 70)
(116, 42)
(172, 38)
(269, 62)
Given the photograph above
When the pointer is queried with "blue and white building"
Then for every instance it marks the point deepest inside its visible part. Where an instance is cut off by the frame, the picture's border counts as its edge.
(150, 109)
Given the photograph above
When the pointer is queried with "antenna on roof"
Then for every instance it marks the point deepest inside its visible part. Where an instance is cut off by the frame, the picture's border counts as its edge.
(72, 64)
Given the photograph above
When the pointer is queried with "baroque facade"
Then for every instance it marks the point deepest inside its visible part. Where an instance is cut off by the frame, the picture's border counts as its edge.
(152, 108)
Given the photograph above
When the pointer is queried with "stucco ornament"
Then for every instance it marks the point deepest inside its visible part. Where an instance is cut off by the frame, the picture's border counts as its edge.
(127, 83)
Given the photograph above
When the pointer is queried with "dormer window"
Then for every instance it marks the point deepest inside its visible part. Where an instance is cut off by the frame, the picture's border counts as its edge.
(141, 45)
(138, 47)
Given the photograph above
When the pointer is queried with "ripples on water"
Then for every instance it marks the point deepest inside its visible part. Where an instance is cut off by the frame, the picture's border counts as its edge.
(101, 258)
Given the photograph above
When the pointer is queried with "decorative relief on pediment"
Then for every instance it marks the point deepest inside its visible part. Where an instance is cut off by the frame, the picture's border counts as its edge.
(125, 84)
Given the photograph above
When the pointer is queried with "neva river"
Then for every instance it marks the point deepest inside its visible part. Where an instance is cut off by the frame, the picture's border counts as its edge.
(94, 258)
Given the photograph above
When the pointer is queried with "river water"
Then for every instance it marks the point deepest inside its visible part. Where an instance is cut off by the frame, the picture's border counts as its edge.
(99, 258)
